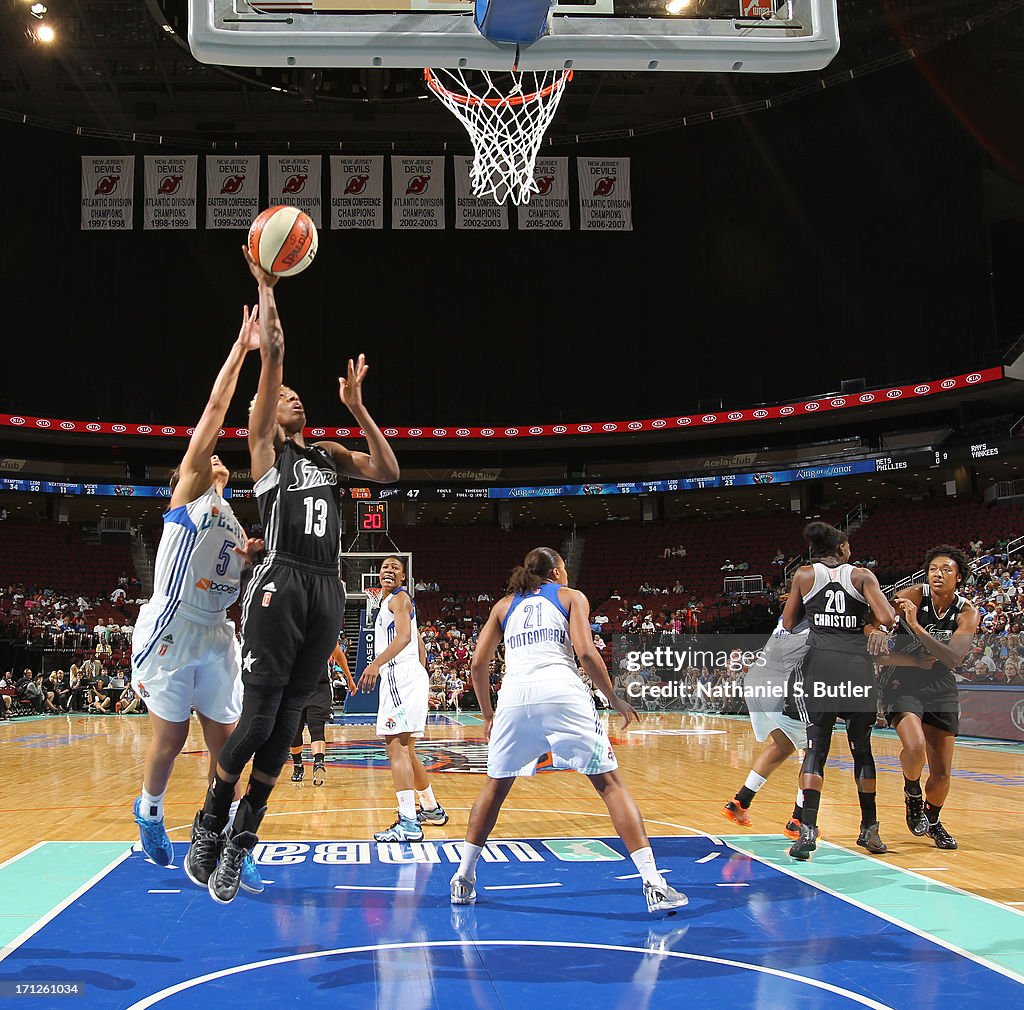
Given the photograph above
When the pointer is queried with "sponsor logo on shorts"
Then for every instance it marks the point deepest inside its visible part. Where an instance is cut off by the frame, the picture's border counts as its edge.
(163, 650)
(141, 688)
(267, 597)
(390, 723)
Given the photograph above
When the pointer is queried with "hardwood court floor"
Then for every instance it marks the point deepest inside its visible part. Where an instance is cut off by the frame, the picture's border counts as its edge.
(74, 779)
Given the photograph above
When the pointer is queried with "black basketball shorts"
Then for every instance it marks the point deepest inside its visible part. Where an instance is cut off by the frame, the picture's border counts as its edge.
(290, 624)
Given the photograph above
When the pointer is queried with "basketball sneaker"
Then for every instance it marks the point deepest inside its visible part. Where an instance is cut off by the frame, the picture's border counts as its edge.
(227, 876)
(403, 830)
(792, 828)
(916, 820)
(463, 890)
(871, 840)
(319, 773)
(732, 811)
(806, 843)
(252, 879)
(153, 837)
(940, 836)
(663, 898)
(437, 816)
(204, 851)
(298, 773)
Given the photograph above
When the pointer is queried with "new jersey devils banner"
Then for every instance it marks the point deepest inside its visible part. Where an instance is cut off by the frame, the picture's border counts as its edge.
(357, 192)
(605, 200)
(295, 182)
(232, 191)
(417, 192)
(108, 193)
(471, 212)
(170, 193)
(548, 209)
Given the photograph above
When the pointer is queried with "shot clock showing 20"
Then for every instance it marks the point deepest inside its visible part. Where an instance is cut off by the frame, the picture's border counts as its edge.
(372, 516)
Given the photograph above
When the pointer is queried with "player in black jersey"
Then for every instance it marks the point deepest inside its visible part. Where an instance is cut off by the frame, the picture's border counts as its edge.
(838, 677)
(918, 689)
(293, 605)
(315, 715)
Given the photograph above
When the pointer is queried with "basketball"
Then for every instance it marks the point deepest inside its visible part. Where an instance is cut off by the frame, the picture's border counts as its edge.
(283, 241)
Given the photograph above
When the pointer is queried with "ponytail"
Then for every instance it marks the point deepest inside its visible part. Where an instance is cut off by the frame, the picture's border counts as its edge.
(535, 570)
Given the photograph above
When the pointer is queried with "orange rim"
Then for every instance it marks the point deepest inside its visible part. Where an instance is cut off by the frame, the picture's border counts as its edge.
(438, 88)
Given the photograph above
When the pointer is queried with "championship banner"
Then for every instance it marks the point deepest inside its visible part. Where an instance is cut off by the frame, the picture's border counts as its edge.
(170, 193)
(357, 192)
(471, 212)
(295, 182)
(108, 193)
(417, 193)
(606, 203)
(232, 191)
(548, 209)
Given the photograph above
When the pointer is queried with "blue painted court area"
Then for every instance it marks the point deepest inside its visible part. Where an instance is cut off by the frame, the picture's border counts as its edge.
(558, 923)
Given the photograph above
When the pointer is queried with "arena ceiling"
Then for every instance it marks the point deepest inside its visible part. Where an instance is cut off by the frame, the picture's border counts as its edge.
(114, 69)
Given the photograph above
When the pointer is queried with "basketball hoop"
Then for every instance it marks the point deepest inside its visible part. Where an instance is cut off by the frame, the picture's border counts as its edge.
(373, 594)
(505, 124)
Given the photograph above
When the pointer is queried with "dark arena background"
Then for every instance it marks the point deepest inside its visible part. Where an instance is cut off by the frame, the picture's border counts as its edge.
(815, 314)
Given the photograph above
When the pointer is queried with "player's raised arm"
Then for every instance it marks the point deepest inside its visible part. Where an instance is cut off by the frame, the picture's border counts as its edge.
(195, 473)
(263, 416)
(379, 464)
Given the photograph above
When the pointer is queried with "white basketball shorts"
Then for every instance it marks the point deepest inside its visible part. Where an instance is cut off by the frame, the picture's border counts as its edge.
(179, 664)
(547, 712)
(402, 699)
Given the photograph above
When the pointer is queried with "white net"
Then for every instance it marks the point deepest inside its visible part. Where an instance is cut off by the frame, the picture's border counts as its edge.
(373, 595)
(506, 120)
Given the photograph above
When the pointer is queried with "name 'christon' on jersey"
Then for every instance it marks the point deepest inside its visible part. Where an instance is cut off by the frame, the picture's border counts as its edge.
(300, 506)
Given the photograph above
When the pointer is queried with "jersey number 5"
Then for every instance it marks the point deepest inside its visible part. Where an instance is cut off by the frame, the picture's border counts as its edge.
(316, 516)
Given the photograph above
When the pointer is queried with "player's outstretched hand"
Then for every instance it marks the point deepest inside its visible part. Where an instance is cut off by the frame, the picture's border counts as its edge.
(907, 609)
(350, 388)
(628, 713)
(248, 551)
(249, 333)
(263, 278)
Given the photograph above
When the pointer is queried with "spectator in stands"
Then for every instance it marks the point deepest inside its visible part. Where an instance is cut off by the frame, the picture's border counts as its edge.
(6, 695)
(421, 586)
(60, 689)
(97, 698)
(599, 643)
(30, 691)
(484, 598)
(728, 566)
(780, 557)
(129, 703)
(118, 596)
(678, 588)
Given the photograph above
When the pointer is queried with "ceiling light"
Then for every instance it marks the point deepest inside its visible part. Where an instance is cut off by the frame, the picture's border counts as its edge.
(45, 33)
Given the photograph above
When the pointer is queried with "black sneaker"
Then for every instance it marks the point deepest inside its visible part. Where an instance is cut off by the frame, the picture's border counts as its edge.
(204, 851)
(227, 877)
(870, 840)
(319, 773)
(916, 820)
(297, 773)
(806, 843)
(940, 836)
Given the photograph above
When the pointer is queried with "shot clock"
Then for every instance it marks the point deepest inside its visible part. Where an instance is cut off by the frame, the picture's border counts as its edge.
(372, 516)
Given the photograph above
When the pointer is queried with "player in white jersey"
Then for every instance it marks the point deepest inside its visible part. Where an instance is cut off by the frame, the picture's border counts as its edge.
(544, 705)
(400, 664)
(184, 651)
(767, 685)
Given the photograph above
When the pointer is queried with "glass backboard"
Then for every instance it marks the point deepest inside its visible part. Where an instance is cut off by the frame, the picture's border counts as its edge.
(756, 36)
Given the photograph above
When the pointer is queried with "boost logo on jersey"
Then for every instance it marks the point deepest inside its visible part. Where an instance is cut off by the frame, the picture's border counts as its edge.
(214, 587)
